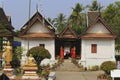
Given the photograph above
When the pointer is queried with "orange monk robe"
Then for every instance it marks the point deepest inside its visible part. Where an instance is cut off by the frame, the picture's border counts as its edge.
(61, 53)
(73, 52)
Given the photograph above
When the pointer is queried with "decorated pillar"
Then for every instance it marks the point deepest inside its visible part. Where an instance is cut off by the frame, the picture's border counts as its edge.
(73, 52)
(61, 52)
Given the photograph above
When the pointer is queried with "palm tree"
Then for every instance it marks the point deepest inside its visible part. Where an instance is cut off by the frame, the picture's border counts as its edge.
(95, 6)
(60, 22)
(76, 18)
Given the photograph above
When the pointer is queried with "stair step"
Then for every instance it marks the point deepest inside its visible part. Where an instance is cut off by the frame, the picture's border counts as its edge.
(68, 66)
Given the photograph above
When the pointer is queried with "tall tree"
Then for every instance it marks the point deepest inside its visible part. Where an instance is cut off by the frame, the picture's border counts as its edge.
(76, 18)
(109, 14)
(112, 17)
(60, 22)
(95, 6)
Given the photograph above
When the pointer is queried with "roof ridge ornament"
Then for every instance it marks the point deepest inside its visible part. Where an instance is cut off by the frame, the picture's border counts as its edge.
(37, 7)
(99, 9)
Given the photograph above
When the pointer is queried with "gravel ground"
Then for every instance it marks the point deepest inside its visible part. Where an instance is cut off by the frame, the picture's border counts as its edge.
(92, 75)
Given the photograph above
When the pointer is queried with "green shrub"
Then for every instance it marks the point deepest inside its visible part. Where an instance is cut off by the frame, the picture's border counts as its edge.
(16, 56)
(94, 68)
(107, 66)
(104, 77)
(39, 53)
(15, 63)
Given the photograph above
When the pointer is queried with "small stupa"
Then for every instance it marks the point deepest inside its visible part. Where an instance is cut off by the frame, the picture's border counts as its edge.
(30, 69)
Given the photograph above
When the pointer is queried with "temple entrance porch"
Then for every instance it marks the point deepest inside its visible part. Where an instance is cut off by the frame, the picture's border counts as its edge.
(67, 48)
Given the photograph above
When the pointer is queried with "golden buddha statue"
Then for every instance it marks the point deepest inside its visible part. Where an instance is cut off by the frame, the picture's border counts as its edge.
(30, 67)
(7, 54)
(30, 61)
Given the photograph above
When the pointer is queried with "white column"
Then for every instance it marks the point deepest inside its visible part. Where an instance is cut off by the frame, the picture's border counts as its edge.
(83, 50)
(83, 61)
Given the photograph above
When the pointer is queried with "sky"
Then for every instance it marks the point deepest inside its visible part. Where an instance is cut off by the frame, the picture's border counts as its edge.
(19, 9)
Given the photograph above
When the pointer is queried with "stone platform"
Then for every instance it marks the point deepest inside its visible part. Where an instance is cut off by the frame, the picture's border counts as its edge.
(9, 71)
(30, 72)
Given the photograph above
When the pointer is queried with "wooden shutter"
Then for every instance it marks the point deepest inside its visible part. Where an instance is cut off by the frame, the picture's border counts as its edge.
(94, 48)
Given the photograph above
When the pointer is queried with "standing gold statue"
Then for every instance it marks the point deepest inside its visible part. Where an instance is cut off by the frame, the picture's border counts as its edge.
(7, 54)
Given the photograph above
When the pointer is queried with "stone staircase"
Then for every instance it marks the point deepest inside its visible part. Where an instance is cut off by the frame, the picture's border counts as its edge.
(67, 65)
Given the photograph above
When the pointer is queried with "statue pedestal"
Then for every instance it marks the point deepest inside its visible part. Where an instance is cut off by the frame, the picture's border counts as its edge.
(9, 71)
(30, 72)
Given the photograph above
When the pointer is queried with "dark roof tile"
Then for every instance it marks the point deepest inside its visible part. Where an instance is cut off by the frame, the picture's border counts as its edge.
(6, 28)
(92, 16)
(40, 18)
(68, 32)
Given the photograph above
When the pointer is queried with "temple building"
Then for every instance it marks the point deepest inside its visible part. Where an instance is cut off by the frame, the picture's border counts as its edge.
(95, 45)
(38, 32)
(97, 41)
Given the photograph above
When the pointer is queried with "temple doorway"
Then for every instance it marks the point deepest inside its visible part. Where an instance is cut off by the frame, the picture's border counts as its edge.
(70, 48)
(67, 52)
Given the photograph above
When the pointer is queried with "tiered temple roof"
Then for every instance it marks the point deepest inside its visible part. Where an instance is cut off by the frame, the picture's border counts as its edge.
(37, 17)
(93, 19)
(6, 29)
(68, 33)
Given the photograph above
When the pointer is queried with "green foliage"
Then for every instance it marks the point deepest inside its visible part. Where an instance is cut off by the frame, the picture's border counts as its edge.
(39, 53)
(45, 70)
(60, 22)
(1, 43)
(117, 46)
(95, 6)
(107, 66)
(78, 28)
(16, 57)
(76, 19)
(94, 68)
(15, 63)
(104, 77)
(18, 32)
(112, 17)
(17, 72)
(117, 57)
(19, 51)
